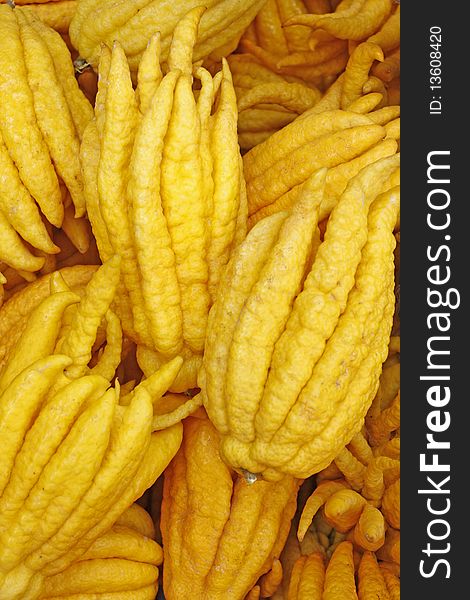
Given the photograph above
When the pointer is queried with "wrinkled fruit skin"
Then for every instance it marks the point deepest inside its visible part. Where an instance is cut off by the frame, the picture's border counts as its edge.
(74, 457)
(135, 21)
(282, 403)
(165, 191)
(220, 533)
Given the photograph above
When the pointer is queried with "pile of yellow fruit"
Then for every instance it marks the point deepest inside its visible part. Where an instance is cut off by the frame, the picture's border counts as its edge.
(199, 300)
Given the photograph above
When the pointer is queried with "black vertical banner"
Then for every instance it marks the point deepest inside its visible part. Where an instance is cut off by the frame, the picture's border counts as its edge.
(434, 312)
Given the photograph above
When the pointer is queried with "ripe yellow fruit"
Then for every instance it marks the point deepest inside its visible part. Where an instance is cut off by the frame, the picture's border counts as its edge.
(42, 117)
(229, 531)
(122, 562)
(279, 379)
(132, 24)
(165, 191)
